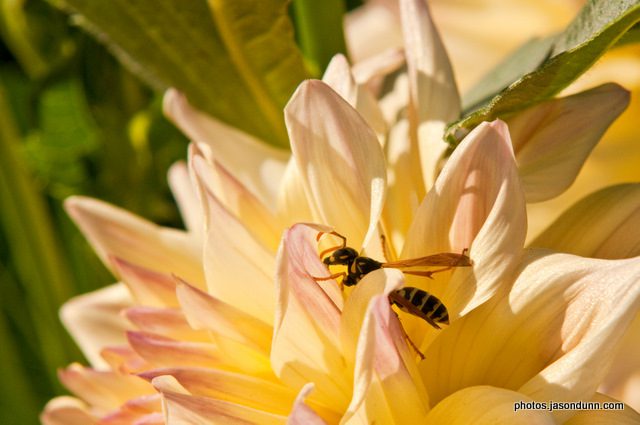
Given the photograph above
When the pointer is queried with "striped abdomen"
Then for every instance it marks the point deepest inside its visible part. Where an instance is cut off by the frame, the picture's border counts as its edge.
(421, 304)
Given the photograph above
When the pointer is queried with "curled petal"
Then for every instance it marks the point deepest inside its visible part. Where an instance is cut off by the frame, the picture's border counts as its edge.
(605, 224)
(339, 159)
(485, 405)
(301, 414)
(477, 203)
(553, 139)
(118, 233)
(67, 411)
(180, 407)
(258, 165)
(306, 319)
(94, 320)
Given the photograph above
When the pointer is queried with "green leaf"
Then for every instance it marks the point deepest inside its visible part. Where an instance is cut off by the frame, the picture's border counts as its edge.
(597, 28)
(236, 60)
(319, 29)
(527, 57)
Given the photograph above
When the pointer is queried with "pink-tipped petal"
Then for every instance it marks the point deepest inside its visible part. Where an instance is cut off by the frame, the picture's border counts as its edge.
(478, 204)
(339, 159)
(114, 232)
(94, 320)
(147, 287)
(169, 322)
(387, 387)
(306, 318)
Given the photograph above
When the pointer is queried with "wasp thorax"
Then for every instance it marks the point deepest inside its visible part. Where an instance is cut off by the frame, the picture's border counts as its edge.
(341, 256)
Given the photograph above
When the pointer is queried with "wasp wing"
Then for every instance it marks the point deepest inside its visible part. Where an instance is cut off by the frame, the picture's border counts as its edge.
(445, 259)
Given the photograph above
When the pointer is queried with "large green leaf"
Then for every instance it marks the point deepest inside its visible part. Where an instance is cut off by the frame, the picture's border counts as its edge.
(597, 28)
(235, 59)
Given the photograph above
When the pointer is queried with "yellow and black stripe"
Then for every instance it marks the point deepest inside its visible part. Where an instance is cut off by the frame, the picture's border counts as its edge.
(420, 303)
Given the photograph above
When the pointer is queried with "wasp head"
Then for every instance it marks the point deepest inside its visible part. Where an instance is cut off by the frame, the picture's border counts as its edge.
(342, 256)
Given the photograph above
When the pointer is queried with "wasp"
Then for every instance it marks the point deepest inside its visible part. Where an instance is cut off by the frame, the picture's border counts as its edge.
(411, 300)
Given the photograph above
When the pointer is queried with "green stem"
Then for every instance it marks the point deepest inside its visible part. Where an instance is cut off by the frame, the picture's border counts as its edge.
(319, 28)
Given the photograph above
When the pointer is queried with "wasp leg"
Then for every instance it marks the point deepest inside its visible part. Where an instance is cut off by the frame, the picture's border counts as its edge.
(333, 276)
(406, 336)
(385, 247)
(333, 248)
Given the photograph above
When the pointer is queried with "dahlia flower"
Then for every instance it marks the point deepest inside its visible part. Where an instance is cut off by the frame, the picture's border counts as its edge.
(234, 321)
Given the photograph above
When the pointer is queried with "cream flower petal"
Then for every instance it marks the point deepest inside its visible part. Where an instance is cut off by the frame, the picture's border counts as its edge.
(180, 407)
(301, 414)
(169, 322)
(605, 224)
(147, 287)
(115, 232)
(206, 312)
(186, 197)
(477, 203)
(94, 320)
(236, 198)
(551, 337)
(67, 411)
(370, 69)
(306, 318)
(293, 206)
(339, 77)
(239, 269)
(104, 390)
(485, 405)
(232, 387)
(258, 165)
(553, 139)
(434, 98)
(627, 416)
(339, 159)
(161, 351)
(387, 386)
